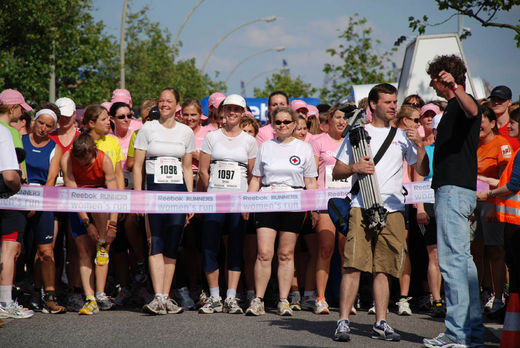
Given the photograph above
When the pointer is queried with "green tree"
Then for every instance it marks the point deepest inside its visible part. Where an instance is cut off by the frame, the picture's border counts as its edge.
(150, 64)
(484, 11)
(360, 61)
(295, 88)
(32, 31)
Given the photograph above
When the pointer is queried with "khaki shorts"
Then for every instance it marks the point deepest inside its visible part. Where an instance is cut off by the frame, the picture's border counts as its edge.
(373, 252)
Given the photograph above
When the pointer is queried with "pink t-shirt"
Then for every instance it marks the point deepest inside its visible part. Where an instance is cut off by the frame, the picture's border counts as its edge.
(265, 133)
(209, 127)
(124, 142)
(199, 138)
(325, 148)
(309, 137)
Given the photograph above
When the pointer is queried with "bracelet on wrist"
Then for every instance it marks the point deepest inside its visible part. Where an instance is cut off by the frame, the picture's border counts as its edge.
(454, 87)
(490, 194)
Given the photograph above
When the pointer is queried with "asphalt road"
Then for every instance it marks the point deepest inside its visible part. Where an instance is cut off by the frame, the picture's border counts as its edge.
(127, 328)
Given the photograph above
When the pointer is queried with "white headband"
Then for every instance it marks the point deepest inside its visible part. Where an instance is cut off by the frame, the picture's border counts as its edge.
(47, 112)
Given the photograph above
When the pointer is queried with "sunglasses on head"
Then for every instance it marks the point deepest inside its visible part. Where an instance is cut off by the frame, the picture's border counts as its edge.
(286, 122)
(413, 105)
(122, 117)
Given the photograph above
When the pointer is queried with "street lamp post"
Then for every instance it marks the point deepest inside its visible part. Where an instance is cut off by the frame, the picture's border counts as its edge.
(122, 46)
(182, 26)
(265, 19)
(277, 49)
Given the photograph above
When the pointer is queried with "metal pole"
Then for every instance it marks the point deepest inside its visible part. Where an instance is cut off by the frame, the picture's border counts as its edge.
(278, 49)
(266, 19)
(52, 77)
(174, 50)
(122, 45)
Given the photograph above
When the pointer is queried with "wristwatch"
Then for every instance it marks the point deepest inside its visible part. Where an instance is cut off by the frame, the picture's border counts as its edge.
(86, 223)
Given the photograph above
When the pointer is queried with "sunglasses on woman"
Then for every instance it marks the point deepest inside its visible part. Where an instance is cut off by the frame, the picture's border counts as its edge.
(285, 122)
(122, 117)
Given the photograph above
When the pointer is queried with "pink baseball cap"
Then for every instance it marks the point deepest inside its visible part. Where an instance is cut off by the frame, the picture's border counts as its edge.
(430, 107)
(12, 97)
(313, 111)
(215, 99)
(107, 105)
(121, 95)
(298, 104)
(203, 117)
(178, 111)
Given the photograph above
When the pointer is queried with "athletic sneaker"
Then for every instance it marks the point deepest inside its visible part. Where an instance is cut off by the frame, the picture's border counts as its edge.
(308, 303)
(342, 332)
(172, 307)
(231, 306)
(183, 295)
(203, 297)
(74, 302)
(256, 307)
(15, 311)
(122, 297)
(140, 273)
(90, 307)
(157, 306)
(212, 305)
(497, 306)
(284, 308)
(35, 303)
(383, 331)
(353, 310)
(295, 302)
(487, 300)
(104, 302)
(371, 310)
(403, 306)
(441, 341)
(101, 253)
(51, 306)
(438, 309)
(321, 306)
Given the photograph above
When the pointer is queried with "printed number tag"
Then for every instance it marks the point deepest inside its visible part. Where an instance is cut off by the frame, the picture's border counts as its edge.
(225, 175)
(168, 170)
(331, 183)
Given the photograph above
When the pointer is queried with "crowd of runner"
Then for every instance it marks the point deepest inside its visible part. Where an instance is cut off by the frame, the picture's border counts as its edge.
(234, 263)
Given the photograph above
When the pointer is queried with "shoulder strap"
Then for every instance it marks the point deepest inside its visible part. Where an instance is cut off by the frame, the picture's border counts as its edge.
(379, 154)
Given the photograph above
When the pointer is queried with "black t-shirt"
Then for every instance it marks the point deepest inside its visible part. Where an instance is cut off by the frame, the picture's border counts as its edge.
(455, 156)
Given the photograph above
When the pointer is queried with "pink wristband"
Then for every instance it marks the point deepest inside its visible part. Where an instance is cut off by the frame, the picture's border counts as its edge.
(455, 86)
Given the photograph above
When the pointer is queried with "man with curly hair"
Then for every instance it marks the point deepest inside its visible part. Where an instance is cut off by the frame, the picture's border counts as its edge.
(454, 182)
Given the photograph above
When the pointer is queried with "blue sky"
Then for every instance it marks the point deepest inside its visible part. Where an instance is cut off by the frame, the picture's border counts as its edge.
(306, 29)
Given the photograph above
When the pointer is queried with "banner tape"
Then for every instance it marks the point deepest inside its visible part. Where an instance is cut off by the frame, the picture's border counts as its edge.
(65, 199)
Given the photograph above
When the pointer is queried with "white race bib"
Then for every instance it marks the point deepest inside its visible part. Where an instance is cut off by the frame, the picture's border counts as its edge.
(168, 170)
(331, 183)
(225, 174)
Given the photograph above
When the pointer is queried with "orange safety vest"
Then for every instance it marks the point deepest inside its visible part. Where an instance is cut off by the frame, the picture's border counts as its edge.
(508, 207)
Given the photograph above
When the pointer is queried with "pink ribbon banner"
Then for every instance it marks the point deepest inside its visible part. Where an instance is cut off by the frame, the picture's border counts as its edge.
(64, 199)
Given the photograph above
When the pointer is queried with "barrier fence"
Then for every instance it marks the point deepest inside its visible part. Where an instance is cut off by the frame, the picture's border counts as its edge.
(65, 199)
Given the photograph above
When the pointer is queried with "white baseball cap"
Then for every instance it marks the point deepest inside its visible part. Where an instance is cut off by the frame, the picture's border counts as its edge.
(235, 99)
(67, 106)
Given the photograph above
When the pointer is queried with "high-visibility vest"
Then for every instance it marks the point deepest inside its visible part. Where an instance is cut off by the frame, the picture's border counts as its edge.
(508, 207)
